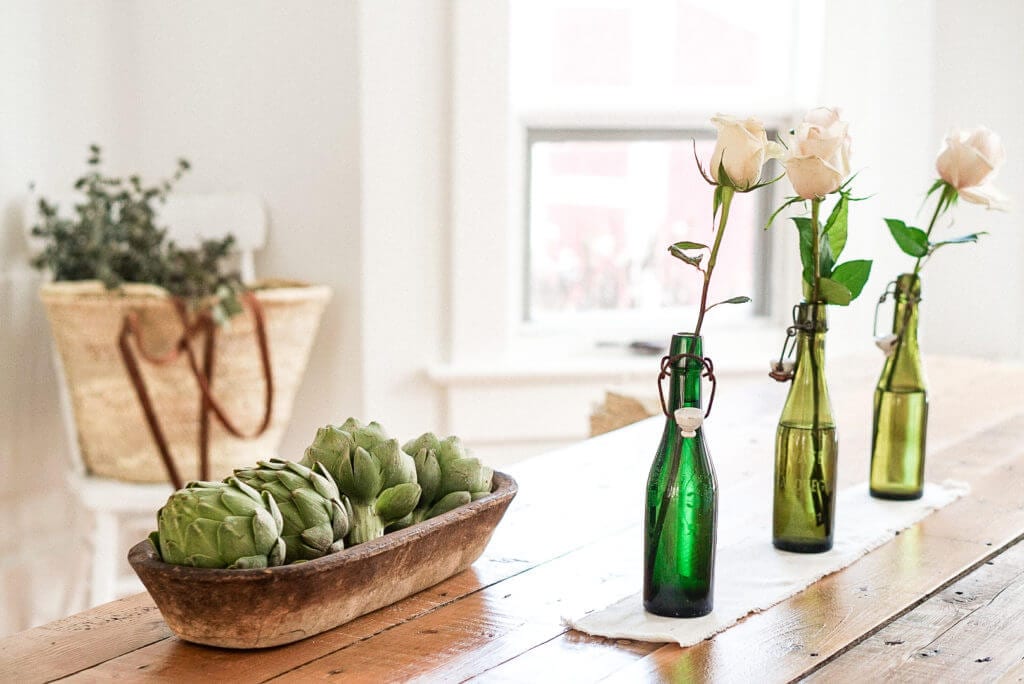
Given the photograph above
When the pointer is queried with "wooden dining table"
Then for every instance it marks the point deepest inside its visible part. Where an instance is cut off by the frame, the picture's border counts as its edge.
(943, 600)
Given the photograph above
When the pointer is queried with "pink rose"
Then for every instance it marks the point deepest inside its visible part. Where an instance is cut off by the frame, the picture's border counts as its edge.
(819, 155)
(742, 148)
(969, 161)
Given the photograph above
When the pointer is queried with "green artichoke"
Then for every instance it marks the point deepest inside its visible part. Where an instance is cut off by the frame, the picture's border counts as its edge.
(448, 474)
(220, 525)
(370, 469)
(315, 518)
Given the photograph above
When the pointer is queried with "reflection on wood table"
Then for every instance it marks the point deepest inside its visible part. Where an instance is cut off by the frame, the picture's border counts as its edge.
(942, 600)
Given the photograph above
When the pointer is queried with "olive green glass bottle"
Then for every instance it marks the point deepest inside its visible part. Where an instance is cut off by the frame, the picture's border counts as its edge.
(806, 447)
(682, 504)
(901, 405)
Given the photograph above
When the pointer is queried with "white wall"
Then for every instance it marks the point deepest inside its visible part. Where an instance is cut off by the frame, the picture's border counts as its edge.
(403, 99)
(56, 96)
(974, 295)
(263, 100)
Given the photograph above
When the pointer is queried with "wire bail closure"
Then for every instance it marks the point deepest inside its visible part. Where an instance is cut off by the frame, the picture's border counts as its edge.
(890, 289)
(666, 369)
(782, 370)
(888, 342)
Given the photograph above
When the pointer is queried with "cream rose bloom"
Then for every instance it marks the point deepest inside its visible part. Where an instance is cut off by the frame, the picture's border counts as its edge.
(742, 148)
(969, 161)
(819, 155)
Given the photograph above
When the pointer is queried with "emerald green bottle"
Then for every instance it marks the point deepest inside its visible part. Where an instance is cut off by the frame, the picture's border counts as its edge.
(901, 405)
(682, 502)
(806, 447)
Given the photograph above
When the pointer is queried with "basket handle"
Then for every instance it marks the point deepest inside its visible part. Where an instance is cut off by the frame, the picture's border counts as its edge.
(204, 324)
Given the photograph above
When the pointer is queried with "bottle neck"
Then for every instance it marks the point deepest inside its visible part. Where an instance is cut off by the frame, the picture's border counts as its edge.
(685, 379)
(809, 344)
(903, 370)
(812, 325)
(905, 315)
(808, 403)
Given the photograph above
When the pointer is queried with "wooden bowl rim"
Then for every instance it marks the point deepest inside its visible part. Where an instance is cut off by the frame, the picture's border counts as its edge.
(145, 561)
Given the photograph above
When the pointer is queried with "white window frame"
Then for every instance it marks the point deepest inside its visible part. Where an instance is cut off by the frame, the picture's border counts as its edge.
(489, 184)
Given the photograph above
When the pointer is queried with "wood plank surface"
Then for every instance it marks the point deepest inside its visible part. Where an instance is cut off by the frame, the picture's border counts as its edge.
(971, 631)
(570, 543)
(524, 547)
(76, 643)
(794, 637)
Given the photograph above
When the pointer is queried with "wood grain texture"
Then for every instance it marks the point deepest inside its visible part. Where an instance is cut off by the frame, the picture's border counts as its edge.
(972, 630)
(565, 549)
(792, 638)
(76, 643)
(583, 657)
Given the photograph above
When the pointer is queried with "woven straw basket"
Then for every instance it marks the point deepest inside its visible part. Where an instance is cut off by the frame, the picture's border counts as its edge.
(113, 435)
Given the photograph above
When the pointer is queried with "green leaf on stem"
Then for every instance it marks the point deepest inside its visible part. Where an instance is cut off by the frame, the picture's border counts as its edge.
(688, 245)
(913, 241)
(836, 226)
(732, 300)
(825, 256)
(788, 202)
(803, 225)
(716, 202)
(853, 275)
(963, 239)
(676, 250)
(825, 259)
(834, 292)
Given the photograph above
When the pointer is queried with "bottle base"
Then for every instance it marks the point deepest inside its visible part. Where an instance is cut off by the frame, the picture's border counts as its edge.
(691, 611)
(802, 546)
(896, 496)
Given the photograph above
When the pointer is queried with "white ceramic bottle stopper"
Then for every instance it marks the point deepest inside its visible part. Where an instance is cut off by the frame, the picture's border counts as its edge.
(887, 343)
(688, 419)
(781, 370)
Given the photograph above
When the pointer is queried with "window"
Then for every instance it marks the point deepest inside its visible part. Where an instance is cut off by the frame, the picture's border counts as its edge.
(602, 208)
(612, 97)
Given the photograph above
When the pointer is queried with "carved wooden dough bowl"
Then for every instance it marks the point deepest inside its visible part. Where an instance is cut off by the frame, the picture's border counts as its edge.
(261, 608)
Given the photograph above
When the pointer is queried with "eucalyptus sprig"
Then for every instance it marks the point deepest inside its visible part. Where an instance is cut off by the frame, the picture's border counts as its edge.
(113, 237)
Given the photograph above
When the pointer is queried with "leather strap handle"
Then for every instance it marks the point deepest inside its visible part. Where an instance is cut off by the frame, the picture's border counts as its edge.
(202, 325)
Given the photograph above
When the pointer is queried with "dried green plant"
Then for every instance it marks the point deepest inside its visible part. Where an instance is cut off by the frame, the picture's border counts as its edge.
(113, 237)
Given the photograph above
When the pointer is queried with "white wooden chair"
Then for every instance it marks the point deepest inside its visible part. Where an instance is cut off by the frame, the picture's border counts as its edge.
(111, 505)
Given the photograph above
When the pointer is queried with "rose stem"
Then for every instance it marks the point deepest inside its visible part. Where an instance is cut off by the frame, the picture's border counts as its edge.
(917, 269)
(931, 224)
(727, 194)
(815, 249)
(815, 371)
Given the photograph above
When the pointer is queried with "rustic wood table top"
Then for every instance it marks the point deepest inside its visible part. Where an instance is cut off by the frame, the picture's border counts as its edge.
(942, 600)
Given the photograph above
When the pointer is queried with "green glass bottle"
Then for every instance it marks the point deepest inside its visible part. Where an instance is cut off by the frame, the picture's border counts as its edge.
(901, 405)
(806, 446)
(682, 503)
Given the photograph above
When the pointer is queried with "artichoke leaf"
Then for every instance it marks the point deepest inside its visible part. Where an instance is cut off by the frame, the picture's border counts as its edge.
(398, 501)
(449, 502)
(367, 477)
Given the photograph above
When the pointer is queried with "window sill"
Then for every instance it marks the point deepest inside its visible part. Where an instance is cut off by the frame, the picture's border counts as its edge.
(740, 349)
